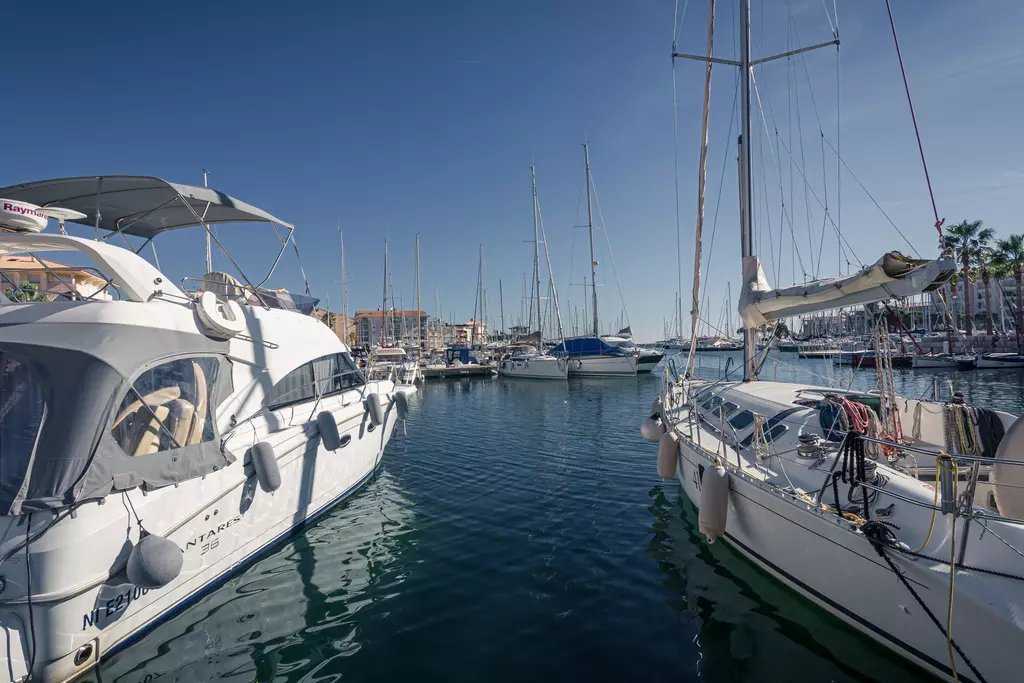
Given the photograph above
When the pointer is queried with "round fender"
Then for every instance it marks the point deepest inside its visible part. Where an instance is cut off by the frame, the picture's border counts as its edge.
(402, 404)
(264, 461)
(668, 453)
(328, 429)
(375, 409)
(154, 562)
(652, 429)
(221, 318)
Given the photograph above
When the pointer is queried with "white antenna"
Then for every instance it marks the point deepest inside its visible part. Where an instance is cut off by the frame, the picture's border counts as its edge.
(209, 255)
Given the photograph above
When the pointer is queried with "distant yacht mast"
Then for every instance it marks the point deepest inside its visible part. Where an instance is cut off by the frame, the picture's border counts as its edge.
(590, 226)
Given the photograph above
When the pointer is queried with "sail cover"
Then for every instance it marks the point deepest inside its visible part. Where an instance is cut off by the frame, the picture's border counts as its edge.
(892, 276)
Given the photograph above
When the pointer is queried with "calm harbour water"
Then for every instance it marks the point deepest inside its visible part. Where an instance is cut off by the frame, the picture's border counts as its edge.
(520, 532)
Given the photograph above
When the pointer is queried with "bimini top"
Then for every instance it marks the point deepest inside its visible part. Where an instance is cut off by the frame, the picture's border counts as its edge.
(138, 205)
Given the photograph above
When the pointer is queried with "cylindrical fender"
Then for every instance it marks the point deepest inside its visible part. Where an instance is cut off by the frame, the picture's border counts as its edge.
(264, 461)
(652, 429)
(668, 453)
(402, 404)
(714, 502)
(328, 429)
(375, 409)
(154, 562)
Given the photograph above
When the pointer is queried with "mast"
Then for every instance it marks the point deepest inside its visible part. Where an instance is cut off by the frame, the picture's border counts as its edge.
(536, 250)
(551, 284)
(590, 226)
(209, 254)
(480, 296)
(419, 323)
(746, 207)
(501, 306)
(440, 322)
(344, 287)
(384, 297)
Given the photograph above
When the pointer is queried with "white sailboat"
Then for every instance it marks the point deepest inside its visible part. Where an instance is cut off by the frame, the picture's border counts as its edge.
(590, 355)
(815, 484)
(526, 357)
(157, 443)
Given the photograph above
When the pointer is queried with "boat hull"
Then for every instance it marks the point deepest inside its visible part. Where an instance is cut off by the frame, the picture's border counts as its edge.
(648, 361)
(603, 366)
(992, 362)
(829, 560)
(540, 367)
(221, 522)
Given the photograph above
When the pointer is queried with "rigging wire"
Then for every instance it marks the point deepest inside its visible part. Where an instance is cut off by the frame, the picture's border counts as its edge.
(676, 28)
(611, 255)
(917, 132)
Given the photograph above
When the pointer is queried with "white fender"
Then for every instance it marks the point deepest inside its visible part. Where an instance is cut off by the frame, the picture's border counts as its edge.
(652, 429)
(1007, 480)
(221, 318)
(668, 453)
(376, 410)
(714, 502)
(328, 428)
(264, 461)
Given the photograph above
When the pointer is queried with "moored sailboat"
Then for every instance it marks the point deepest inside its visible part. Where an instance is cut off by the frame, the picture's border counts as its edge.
(817, 486)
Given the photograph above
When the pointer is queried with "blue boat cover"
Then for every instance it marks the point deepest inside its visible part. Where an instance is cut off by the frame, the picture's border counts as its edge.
(580, 347)
(464, 355)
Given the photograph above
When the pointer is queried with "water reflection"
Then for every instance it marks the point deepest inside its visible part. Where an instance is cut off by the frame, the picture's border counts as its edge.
(751, 627)
(291, 613)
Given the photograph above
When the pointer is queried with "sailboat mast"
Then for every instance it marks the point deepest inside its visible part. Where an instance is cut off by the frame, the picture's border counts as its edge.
(590, 226)
(419, 323)
(344, 288)
(501, 307)
(536, 248)
(746, 205)
(384, 297)
(551, 283)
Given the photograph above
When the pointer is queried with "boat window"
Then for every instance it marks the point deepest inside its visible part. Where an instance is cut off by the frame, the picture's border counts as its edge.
(22, 406)
(712, 402)
(327, 375)
(775, 432)
(728, 408)
(742, 420)
(169, 406)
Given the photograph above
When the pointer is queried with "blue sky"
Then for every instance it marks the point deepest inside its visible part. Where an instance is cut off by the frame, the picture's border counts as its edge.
(400, 118)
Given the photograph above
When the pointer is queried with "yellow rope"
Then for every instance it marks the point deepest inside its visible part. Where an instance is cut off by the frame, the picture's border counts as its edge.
(935, 504)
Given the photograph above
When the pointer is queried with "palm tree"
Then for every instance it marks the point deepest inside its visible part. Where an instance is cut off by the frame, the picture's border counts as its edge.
(969, 242)
(1010, 253)
(25, 293)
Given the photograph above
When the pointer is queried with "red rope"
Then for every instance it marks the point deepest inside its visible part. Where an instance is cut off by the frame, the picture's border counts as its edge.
(917, 132)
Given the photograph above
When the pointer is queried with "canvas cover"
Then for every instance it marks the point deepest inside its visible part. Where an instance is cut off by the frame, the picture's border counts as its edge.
(75, 457)
(581, 347)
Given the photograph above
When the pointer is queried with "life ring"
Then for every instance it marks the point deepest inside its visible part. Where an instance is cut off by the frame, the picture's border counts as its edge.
(223, 319)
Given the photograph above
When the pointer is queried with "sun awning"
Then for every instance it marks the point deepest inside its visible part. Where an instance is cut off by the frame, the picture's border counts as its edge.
(140, 205)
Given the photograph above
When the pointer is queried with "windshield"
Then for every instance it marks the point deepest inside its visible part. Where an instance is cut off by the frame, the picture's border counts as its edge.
(22, 407)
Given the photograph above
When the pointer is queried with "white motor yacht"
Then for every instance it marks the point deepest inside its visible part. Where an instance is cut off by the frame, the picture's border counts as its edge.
(393, 363)
(157, 443)
(647, 359)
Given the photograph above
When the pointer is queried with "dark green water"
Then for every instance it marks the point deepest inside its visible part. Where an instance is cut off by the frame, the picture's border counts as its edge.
(520, 532)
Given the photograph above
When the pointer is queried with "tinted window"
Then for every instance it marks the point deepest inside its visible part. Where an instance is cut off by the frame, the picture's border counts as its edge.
(327, 375)
(742, 420)
(22, 406)
(169, 406)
